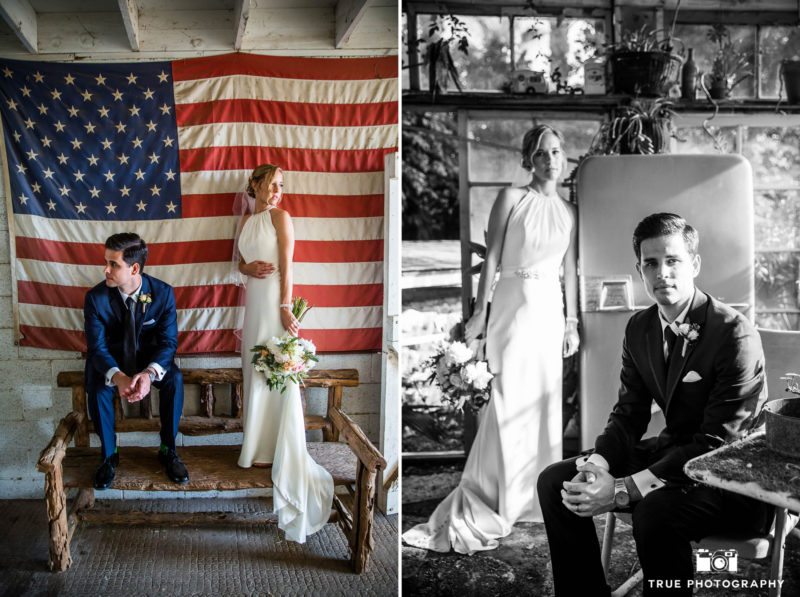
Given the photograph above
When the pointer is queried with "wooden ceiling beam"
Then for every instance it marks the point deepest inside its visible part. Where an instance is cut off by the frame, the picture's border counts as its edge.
(21, 17)
(348, 14)
(130, 16)
(241, 14)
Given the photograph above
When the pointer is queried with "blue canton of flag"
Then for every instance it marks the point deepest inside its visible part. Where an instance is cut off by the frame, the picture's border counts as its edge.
(101, 144)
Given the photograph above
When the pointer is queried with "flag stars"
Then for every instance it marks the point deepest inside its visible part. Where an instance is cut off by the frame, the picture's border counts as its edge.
(170, 174)
(32, 155)
(139, 174)
(29, 123)
(123, 159)
(168, 141)
(89, 127)
(93, 160)
(23, 199)
(101, 80)
(78, 176)
(64, 190)
(69, 79)
(59, 126)
(17, 136)
(111, 208)
(148, 94)
(81, 208)
(42, 109)
(86, 95)
(141, 206)
(55, 94)
(25, 91)
(151, 126)
(153, 158)
(38, 77)
(76, 144)
(126, 192)
(117, 95)
(134, 111)
(46, 142)
(12, 104)
(120, 126)
(7, 72)
(48, 173)
(109, 176)
(171, 207)
(162, 78)
(154, 191)
(51, 205)
(106, 143)
(21, 169)
(132, 79)
(103, 111)
(94, 192)
(73, 111)
(137, 143)
(62, 159)
(37, 188)
(165, 109)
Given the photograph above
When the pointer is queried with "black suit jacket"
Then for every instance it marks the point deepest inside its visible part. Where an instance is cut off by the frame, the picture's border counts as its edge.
(701, 415)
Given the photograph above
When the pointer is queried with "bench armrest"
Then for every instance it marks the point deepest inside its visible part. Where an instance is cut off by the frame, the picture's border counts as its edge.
(53, 454)
(367, 453)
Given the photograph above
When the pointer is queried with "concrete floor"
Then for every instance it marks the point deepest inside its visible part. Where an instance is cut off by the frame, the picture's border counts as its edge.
(521, 565)
(209, 560)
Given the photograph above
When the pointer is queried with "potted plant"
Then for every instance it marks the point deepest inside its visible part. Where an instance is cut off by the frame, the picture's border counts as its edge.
(645, 127)
(644, 62)
(731, 64)
(446, 33)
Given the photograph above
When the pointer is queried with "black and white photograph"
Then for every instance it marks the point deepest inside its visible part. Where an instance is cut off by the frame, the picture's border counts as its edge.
(600, 311)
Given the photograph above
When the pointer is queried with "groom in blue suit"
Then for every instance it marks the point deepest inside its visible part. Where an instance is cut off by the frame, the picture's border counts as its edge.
(131, 330)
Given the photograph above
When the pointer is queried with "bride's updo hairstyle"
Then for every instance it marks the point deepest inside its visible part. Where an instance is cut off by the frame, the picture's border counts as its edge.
(532, 140)
(263, 172)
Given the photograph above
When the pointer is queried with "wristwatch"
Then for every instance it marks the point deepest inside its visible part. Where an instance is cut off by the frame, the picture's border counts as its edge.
(151, 374)
(621, 496)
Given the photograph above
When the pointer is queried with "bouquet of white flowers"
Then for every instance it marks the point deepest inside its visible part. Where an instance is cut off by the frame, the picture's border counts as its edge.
(288, 358)
(465, 381)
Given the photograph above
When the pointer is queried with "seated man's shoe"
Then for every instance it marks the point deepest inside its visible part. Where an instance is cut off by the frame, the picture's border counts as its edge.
(176, 470)
(105, 474)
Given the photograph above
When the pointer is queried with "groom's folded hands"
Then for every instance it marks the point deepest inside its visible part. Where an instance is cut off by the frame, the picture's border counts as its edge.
(139, 388)
(590, 492)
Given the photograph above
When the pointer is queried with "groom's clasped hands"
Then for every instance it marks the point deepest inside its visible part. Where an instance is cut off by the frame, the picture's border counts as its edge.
(132, 389)
(590, 492)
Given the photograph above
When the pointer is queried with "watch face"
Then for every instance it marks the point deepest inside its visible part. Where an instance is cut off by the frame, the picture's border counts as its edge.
(622, 499)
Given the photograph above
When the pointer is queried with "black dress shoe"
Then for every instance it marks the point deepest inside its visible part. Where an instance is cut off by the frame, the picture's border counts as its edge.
(176, 470)
(105, 474)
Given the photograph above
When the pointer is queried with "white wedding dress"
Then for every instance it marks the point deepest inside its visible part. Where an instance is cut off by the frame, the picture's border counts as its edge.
(519, 431)
(274, 425)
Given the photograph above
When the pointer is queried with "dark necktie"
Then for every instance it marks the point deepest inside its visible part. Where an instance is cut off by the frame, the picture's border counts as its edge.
(669, 338)
(129, 339)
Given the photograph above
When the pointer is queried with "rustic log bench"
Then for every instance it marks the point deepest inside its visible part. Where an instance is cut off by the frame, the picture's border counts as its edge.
(353, 464)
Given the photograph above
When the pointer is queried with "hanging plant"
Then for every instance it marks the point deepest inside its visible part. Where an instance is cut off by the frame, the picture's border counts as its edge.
(644, 127)
(446, 34)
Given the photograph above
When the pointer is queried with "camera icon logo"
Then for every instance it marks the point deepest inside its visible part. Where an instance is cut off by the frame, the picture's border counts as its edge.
(720, 560)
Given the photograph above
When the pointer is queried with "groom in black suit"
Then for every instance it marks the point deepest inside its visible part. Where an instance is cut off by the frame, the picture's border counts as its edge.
(702, 363)
(132, 334)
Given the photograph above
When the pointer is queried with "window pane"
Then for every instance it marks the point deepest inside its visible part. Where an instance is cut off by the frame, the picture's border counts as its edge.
(547, 43)
(777, 217)
(778, 321)
(696, 140)
(404, 56)
(743, 38)
(776, 281)
(487, 63)
(495, 157)
(774, 153)
(777, 43)
(481, 201)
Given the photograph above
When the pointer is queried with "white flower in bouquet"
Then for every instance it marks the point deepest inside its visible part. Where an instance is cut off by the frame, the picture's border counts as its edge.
(477, 374)
(308, 345)
(457, 353)
(283, 360)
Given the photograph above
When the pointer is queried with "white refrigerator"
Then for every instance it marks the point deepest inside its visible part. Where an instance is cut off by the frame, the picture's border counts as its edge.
(714, 193)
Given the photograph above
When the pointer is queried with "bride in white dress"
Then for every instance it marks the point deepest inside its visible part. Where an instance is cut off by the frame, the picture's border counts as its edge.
(531, 233)
(274, 425)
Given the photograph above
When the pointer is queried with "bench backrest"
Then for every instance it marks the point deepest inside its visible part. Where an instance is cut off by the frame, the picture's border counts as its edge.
(209, 421)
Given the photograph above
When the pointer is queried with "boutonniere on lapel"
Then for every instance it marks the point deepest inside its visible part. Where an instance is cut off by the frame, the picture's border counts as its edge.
(690, 332)
(145, 299)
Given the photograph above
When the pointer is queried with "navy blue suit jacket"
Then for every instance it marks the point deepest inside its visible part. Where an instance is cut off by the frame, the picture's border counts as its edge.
(701, 415)
(156, 328)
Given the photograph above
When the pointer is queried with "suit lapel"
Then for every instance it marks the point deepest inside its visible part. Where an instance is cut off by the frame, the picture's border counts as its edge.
(141, 308)
(655, 352)
(683, 351)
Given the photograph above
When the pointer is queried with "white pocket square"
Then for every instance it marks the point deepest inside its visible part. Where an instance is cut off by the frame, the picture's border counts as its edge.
(150, 322)
(691, 377)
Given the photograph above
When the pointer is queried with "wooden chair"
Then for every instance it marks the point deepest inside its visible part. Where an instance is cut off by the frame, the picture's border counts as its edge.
(781, 355)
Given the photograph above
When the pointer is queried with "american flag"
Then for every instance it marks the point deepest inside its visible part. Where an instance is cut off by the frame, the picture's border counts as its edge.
(161, 149)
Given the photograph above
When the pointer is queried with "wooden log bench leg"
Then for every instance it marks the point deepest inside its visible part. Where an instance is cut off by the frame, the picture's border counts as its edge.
(363, 510)
(56, 501)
